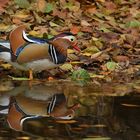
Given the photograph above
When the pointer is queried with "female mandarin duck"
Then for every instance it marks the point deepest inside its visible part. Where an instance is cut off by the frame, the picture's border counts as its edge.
(34, 54)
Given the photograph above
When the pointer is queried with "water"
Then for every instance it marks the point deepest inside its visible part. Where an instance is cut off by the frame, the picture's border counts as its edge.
(65, 110)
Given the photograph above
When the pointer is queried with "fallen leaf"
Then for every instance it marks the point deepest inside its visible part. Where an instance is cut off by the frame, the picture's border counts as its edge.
(111, 66)
(66, 67)
(73, 57)
(86, 29)
(84, 23)
(110, 6)
(52, 24)
(121, 58)
(87, 54)
(75, 29)
(34, 33)
(132, 24)
(91, 50)
(49, 8)
(91, 9)
(101, 1)
(70, 51)
(6, 28)
(41, 5)
(81, 76)
(22, 3)
(22, 14)
(3, 4)
(95, 55)
(61, 14)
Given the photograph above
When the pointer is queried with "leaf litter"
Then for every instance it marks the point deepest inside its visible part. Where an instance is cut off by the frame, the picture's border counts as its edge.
(107, 33)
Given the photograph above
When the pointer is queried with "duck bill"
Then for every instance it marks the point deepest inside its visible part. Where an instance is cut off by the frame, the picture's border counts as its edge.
(75, 46)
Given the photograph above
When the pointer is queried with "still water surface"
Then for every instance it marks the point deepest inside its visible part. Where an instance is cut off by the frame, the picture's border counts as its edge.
(65, 110)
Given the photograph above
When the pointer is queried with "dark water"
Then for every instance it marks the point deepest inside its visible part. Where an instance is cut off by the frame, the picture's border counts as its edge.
(64, 110)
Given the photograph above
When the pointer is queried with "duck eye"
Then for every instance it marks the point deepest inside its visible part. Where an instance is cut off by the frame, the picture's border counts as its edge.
(72, 39)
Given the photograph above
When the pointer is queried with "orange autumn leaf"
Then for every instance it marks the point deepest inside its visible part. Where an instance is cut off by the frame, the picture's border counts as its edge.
(74, 29)
(91, 10)
(50, 78)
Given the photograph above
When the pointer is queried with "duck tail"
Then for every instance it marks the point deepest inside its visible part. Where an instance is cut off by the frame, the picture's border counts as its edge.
(5, 52)
(4, 46)
(4, 109)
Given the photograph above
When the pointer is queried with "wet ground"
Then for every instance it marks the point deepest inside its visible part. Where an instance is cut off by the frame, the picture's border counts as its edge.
(65, 110)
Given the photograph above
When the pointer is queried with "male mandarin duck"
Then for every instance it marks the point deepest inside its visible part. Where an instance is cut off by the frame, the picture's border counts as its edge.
(36, 54)
(22, 108)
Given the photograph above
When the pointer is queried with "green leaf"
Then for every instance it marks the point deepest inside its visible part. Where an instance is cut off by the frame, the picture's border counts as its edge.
(50, 36)
(91, 50)
(49, 8)
(81, 76)
(68, 5)
(111, 66)
(66, 67)
(133, 23)
(104, 29)
(23, 3)
(52, 24)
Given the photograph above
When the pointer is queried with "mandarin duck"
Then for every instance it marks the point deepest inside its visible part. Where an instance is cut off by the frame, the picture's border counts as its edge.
(22, 108)
(34, 54)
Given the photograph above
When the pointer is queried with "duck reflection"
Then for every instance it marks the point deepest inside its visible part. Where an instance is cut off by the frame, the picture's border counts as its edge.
(35, 102)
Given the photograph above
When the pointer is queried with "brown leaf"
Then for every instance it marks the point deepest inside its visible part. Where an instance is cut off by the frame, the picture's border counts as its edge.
(41, 5)
(74, 29)
(95, 55)
(87, 29)
(3, 4)
(60, 14)
(110, 5)
(91, 9)
(121, 58)
(85, 23)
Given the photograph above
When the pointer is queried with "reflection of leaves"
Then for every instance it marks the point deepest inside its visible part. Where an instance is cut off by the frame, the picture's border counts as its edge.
(98, 138)
(23, 3)
(66, 121)
(6, 66)
(19, 78)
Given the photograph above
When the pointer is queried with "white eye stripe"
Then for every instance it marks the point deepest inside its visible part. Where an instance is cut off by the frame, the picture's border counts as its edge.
(71, 38)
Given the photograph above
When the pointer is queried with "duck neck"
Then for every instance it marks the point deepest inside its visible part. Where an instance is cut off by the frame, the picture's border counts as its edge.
(58, 55)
